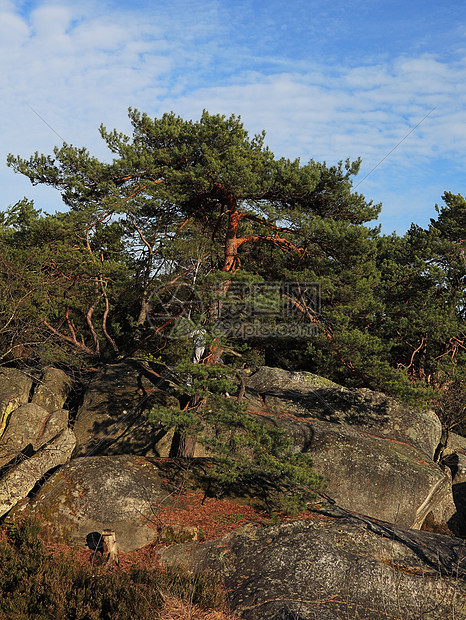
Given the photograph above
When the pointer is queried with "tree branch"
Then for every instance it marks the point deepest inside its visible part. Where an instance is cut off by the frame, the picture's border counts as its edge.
(95, 338)
(105, 316)
(81, 346)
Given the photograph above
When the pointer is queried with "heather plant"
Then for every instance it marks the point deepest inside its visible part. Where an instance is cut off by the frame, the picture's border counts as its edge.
(36, 583)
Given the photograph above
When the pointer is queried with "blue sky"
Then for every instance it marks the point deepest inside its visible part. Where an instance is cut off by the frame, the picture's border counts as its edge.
(325, 80)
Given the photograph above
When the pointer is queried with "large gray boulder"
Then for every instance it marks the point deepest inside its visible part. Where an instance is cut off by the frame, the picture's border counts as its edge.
(139, 498)
(309, 396)
(370, 475)
(332, 568)
(123, 493)
(112, 418)
(15, 388)
(375, 455)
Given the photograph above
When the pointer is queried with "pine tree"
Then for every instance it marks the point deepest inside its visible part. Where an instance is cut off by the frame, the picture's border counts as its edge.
(200, 198)
(422, 289)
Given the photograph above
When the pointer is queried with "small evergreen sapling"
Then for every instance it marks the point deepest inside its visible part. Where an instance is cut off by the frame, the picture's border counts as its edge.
(245, 452)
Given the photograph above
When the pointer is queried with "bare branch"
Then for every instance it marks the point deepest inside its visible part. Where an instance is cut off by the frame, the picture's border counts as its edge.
(95, 338)
(69, 339)
(105, 316)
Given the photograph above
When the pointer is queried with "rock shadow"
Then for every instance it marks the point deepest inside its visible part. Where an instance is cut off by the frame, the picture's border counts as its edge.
(328, 404)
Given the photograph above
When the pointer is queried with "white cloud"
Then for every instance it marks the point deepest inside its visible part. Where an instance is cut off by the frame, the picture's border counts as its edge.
(13, 32)
(331, 120)
(80, 66)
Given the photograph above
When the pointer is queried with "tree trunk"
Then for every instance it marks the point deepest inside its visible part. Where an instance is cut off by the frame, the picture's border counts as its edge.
(144, 309)
(110, 549)
(182, 446)
(231, 261)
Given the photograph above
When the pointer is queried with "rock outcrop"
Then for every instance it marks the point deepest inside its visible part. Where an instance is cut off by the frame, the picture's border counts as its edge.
(112, 420)
(34, 433)
(352, 556)
(332, 568)
(376, 456)
(30, 425)
(52, 390)
(123, 493)
(15, 388)
(21, 479)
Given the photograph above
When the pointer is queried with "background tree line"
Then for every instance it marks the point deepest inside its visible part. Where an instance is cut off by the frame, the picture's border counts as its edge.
(198, 203)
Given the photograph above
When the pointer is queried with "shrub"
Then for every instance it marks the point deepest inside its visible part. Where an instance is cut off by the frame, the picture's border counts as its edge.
(36, 583)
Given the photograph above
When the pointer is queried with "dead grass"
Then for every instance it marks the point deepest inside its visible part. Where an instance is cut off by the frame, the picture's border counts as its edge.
(176, 609)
